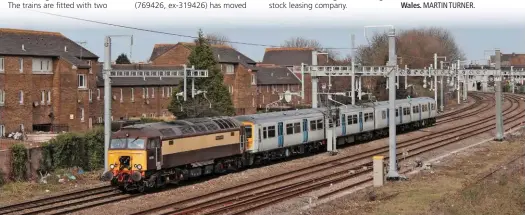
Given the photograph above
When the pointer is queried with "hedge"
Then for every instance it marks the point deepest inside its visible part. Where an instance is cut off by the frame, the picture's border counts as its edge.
(74, 150)
(18, 162)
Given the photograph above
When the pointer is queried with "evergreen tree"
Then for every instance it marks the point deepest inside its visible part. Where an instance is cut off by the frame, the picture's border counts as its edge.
(216, 92)
(122, 59)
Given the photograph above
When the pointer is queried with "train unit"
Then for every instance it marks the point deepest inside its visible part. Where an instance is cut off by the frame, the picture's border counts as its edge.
(153, 155)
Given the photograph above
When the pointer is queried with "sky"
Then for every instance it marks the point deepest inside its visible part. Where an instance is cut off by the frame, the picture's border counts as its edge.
(490, 26)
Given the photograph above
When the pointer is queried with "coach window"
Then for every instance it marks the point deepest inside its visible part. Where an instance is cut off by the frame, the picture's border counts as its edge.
(313, 125)
(271, 131)
(397, 112)
(265, 133)
(366, 117)
(297, 127)
(289, 129)
(337, 122)
(330, 123)
(319, 124)
(371, 116)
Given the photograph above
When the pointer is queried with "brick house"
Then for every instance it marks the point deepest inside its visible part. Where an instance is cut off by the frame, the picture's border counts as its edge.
(239, 71)
(45, 80)
(273, 80)
(289, 57)
(135, 97)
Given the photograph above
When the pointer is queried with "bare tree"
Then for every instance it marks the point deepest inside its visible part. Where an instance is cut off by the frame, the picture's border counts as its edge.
(414, 48)
(217, 39)
(301, 42)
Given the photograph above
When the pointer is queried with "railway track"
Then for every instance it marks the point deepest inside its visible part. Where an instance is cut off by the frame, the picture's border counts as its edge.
(261, 193)
(80, 200)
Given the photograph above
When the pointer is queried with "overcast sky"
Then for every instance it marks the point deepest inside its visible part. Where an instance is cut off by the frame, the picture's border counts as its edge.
(475, 31)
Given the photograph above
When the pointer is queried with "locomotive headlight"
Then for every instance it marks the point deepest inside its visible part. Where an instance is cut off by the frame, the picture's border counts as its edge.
(139, 167)
(112, 166)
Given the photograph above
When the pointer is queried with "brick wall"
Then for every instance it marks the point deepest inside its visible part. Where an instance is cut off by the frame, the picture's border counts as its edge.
(176, 56)
(270, 93)
(126, 108)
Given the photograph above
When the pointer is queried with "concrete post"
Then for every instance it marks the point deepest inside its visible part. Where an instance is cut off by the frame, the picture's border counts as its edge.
(457, 77)
(107, 99)
(378, 171)
(499, 98)
(435, 78)
(392, 62)
(359, 87)
(442, 107)
(302, 82)
(185, 83)
(314, 92)
(353, 69)
(512, 78)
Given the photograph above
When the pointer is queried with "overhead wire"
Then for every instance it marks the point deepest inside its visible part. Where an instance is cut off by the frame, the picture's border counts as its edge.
(168, 33)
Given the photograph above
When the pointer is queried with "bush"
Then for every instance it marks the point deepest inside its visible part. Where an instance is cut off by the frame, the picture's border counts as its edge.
(19, 162)
(74, 150)
(3, 179)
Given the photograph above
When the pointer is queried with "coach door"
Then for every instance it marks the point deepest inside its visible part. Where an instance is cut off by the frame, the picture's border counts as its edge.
(360, 121)
(419, 110)
(343, 124)
(305, 130)
(280, 134)
(401, 114)
(154, 151)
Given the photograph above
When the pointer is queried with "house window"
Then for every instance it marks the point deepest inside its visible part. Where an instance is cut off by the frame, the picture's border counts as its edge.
(100, 120)
(162, 92)
(90, 95)
(2, 97)
(1, 64)
(253, 79)
(42, 65)
(132, 94)
(230, 88)
(81, 81)
(21, 63)
(2, 130)
(90, 68)
(98, 94)
(253, 101)
(121, 95)
(152, 93)
(229, 68)
(143, 92)
(82, 114)
(48, 97)
(21, 97)
(43, 96)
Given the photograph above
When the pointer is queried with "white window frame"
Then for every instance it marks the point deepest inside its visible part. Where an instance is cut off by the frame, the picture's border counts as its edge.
(2, 97)
(132, 94)
(253, 101)
(2, 130)
(82, 114)
(98, 94)
(121, 95)
(230, 68)
(21, 62)
(90, 96)
(49, 97)
(43, 97)
(2, 64)
(162, 92)
(254, 81)
(84, 84)
(152, 92)
(90, 67)
(100, 120)
(42, 65)
(21, 97)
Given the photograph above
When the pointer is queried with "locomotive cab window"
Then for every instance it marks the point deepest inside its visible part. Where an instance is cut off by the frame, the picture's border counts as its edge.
(153, 143)
(248, 131)
(130, 143)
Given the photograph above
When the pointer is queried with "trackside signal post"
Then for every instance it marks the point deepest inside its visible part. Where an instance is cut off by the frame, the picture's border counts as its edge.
(110, 73)
(392, 64)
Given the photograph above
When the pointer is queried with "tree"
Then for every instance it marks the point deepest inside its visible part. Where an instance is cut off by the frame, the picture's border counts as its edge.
(414, 48)
(300, 42)
(216, 92)
(217, 39)
(122, 59)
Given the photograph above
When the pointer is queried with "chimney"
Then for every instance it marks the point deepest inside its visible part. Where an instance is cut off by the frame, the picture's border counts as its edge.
(23, 47)
(65, 48)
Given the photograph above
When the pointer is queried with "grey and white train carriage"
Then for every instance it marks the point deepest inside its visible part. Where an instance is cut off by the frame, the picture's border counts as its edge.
(280, 134)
